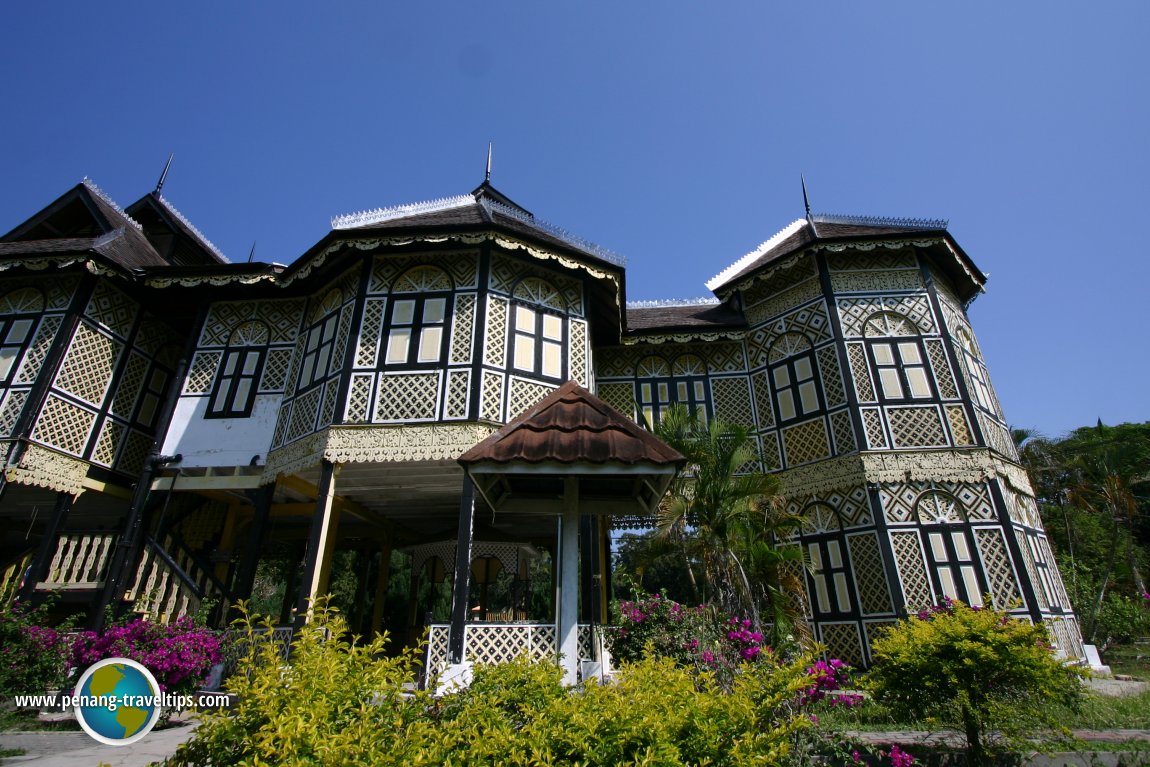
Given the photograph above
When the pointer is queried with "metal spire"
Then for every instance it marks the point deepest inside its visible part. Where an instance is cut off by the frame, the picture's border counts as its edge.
(490, 146)
(807, 207)
(164, 175)
(252, 254)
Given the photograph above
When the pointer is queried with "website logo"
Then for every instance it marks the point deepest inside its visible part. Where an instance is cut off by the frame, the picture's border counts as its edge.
(117, 701)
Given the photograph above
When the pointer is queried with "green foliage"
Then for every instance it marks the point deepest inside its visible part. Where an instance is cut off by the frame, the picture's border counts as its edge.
(338, 703)
(974, 670)
(33, 657)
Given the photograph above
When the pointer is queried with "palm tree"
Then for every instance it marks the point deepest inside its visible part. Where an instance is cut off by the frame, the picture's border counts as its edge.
(723, 517)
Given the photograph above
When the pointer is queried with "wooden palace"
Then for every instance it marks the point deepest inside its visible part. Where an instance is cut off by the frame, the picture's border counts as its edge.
(170, 420)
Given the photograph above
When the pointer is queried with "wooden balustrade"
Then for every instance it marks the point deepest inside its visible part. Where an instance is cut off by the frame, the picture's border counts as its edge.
(80, 562)
(169, 583)
(13, 577)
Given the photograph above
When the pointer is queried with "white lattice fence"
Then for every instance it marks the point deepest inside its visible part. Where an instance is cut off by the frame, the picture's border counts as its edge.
(501, 643)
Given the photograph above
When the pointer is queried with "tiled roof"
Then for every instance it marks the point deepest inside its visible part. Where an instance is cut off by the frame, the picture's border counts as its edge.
(571, 425)
(717, 317)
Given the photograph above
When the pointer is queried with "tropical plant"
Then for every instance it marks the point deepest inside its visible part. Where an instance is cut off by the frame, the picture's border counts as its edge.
(725, 515)
(178, 654)
(979, 671)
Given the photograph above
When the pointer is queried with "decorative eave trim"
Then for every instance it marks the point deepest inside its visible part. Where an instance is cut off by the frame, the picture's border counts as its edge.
(184, 220)
(211, 279)
(889, 222)
(663, 303)
(43, 467)
(558, 232)
(720, 279)
(376, 444)
(684, 337)
(961, 465)
(91, 185)
(379, 215)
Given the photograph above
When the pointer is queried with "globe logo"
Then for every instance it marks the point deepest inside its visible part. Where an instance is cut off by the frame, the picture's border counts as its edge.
(118, 701)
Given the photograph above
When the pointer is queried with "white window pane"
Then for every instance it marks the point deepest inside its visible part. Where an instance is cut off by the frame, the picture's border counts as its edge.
(19, 331)
(403, 312)
(524, 319)
(552, 360)
(649, 415)
(803, 369)
(960, 547)
(645, 392)
(329, 327)
(434, 310)
(681, 391)
(948, 587)
(312, 340)
(782, 377)
(816, 556)
(699, 391)
(552, 327)
(308, 366)
(891, 386)
(786, 405)
(835, 553)
(841, 593)
(430, 341)
(242, 388)
(664, 393)
(322, 362)
(909, 353)
(397, 344)
(883, 354)
(525, 352)
(916, 379)
(7, 359)
(970, 580)
(809, 397)
(824, 597)
(938, 548)
(251, 360)
(221, 396)
(230, 363)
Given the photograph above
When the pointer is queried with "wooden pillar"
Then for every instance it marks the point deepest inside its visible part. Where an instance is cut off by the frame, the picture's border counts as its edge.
(320, 545)
(567, 599)
(246, 569)
(38, 571)
(227, 542)
(462, 570)
(381, 587)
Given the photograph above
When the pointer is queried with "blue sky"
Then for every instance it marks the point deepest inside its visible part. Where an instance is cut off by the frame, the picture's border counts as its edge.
(671, 132)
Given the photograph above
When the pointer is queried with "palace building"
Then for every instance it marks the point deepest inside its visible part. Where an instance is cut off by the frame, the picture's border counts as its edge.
(172, 420)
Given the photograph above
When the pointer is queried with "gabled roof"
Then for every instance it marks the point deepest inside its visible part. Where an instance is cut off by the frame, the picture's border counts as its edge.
(172, 234)
(572, 426)
(485, 206)
(84, 212)
(824, 228)
(669, 316)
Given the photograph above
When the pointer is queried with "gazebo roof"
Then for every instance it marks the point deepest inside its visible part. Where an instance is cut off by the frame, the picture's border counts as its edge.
(572, 434)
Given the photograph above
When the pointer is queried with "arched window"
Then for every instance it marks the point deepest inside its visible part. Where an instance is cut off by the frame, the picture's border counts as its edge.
(19, 312)
(319, 343)
(899, 365)
(238, 377)
(794, 378)
(662, 384)
(828, 579)
(951, 555)
(417, 320)
(538, 330)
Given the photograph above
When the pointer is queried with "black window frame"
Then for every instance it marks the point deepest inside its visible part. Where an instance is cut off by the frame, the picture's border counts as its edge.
(417, 326)
(900, 366)
(789, 362)
(7, 322)
(312, 355)
(232, 379)
(539, 341)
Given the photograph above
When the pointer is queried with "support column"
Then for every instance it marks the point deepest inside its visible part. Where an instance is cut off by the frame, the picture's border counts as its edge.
(381, 588)
(320, 545)
(567, 602)
(48, 542)
(462, 570)
(246, 571)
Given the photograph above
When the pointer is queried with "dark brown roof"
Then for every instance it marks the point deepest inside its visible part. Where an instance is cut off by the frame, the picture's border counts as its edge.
(172, 234)
(717, 317)
(835, 230)
(571, 425)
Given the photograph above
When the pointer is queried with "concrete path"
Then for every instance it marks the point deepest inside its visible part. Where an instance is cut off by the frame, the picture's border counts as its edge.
(77, 749)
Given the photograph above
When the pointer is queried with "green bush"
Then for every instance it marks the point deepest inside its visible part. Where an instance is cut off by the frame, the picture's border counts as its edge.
(978, 671)
(34, 657)
(338, 703)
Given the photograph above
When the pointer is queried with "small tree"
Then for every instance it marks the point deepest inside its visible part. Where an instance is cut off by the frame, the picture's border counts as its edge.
(975, 670)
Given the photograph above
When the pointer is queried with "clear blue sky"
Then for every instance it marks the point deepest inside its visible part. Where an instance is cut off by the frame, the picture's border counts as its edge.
(671, 132)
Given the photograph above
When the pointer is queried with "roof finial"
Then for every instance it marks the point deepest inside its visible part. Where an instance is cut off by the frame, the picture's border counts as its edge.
(807, 207)
(252, 254)
(164, 175)
(490, 146)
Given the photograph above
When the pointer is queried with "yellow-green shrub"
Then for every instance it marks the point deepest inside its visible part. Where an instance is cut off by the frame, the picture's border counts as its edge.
(341, 704)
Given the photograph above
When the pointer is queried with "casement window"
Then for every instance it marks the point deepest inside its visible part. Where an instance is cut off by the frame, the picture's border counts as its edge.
(318, 349)
(656, 395)
(828, 577)
(235, 389)
(237, 381)
(901, 370)
(796, 386)
(950, 553)
(15, 336)
(538, 342)
(417, 331)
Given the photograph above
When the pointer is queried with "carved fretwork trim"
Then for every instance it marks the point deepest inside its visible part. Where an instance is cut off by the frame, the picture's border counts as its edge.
(42, 467)
(376, 444)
